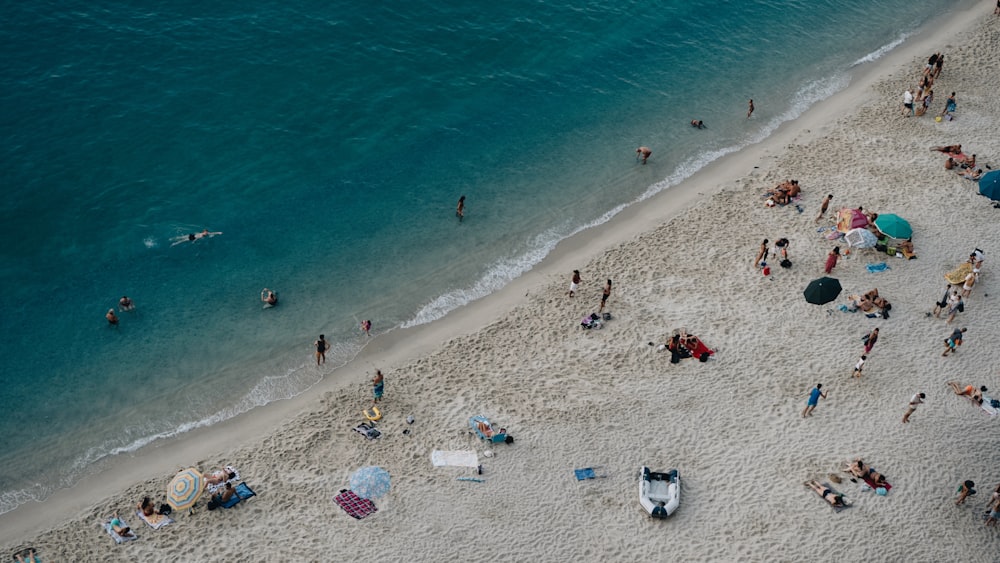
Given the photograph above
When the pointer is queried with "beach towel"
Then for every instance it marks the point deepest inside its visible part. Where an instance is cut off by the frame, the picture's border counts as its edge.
(243, 492)
(154, 521)
(461, 458)
(870, 483)
(354, 505)
(367, 430)
(880, 267)
(957, 276)
(988, 406)
(114, 535)
(588, 473)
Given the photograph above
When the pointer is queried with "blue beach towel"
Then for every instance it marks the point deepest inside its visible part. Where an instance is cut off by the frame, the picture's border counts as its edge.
(587, 473)
(880, 267)
(242, 492)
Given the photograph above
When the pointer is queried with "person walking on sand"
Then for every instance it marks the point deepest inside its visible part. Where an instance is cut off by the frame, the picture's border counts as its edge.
(917, 399)
(957, 306)
(604, 296)
(942, 303)
(112, 318)
(831, 259)
(574, 284)
(750, 108)
(970, 281)
(937, 66)
(460, 210)
(823, 207)
(870, 341)
(907, 103)
(952, 343)
(814, 397)
(321, 348)
(858, 366)
(643, 153)
(761, 255)
(378, 386)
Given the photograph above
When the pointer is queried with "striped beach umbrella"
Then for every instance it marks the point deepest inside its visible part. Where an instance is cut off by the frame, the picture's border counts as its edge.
(185, 489)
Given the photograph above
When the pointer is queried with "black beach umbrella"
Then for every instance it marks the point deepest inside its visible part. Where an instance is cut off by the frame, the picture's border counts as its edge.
(822, 290)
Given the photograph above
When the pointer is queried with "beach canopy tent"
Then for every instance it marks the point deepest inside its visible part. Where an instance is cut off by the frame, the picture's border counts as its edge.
(894, 226)
(860, 238)
(822, 291)
(185, 489)
(989, 185)
(848, 219)
(370, 482)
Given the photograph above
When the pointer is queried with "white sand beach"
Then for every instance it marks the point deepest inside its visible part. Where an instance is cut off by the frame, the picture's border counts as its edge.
(576, 398)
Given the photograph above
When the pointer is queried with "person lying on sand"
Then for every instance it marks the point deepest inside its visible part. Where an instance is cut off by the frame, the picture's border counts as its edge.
(835, 499)
(949, 149)
(970, 174)
(220, 476)
(118, 527)
(32, 559)
(968, 391)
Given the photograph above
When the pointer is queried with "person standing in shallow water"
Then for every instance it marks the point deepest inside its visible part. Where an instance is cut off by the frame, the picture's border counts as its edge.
(750, 108)
(460, 210)
(643, 153)
(321, 347)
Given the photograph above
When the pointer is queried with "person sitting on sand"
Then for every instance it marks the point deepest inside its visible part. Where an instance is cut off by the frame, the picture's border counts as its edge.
(835, 499)
(965, 490)
(119, 527)
(146, 506)
(858, 469)
(968, 391)
(226, 494)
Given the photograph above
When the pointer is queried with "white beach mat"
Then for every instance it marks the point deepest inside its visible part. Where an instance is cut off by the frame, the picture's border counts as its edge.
(460, 458)
(988, 407)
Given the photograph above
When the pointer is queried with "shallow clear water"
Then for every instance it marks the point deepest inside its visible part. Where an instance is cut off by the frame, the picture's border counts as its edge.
(329, 143)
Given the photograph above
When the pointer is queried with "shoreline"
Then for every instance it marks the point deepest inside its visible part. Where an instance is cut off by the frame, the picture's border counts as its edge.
(732, 171)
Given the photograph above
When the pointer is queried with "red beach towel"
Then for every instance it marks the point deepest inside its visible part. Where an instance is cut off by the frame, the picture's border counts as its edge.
(354, 505)
(874, 486)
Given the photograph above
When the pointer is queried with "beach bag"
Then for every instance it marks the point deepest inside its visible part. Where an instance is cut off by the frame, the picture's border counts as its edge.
(703, 357)
(961, 307)
(607, 316)
(864, 339)
(786, 263)
(995, 403)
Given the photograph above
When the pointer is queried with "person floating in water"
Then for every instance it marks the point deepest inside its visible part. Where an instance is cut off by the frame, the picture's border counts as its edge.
(112, 318)
(460, 210)
(697, 123)
(126, 304)
(193, 237)
(268, 297)
(643, 153)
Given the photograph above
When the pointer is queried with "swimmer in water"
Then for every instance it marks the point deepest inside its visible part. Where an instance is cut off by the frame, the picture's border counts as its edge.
(269, 298)
(697, 123)
(194, 236)
(126, 304)
(112, 318)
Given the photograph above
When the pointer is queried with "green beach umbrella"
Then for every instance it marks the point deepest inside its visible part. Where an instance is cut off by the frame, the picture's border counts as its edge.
(989, 185)
(894, 226)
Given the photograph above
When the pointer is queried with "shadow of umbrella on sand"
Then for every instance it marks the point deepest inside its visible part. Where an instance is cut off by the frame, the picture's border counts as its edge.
(822, 291)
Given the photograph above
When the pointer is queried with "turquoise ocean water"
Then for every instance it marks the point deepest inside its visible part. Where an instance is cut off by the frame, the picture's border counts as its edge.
(329, 143)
